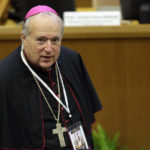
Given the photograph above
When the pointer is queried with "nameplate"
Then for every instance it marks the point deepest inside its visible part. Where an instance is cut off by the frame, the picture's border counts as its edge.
(95, 18)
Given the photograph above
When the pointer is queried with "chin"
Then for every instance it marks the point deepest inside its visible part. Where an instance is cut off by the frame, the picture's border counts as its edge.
(45, 67)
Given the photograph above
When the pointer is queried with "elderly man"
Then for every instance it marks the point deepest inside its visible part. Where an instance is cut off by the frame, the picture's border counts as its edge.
(46, 96)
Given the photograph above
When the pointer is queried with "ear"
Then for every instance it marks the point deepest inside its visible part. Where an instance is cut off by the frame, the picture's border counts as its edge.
(23, 37)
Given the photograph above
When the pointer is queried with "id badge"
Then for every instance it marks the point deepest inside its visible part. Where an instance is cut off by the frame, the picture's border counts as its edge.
(77, 137)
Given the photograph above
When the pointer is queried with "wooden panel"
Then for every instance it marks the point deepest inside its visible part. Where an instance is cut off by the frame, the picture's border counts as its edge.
(83, 3)
(117, 59)
(98, 32)
(3, 9)
(90, 3)
(120, 70)
(106, 2)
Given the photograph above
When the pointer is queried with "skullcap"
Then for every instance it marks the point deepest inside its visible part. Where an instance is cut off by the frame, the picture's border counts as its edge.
(39, 9)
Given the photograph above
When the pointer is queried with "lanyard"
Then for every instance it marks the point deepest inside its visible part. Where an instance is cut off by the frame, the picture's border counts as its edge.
(46, 86)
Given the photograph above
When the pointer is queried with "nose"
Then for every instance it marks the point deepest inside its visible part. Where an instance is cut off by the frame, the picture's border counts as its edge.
(48, 47)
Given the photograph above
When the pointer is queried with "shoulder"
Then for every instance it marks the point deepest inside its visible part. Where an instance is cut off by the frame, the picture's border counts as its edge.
(68, 52)
(71, 62)
(68, 55)
(9, 64)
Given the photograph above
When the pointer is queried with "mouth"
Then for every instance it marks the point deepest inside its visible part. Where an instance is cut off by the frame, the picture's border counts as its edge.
(46, 58)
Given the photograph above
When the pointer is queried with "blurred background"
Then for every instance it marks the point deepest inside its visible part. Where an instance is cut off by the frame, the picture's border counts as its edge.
(117, 59)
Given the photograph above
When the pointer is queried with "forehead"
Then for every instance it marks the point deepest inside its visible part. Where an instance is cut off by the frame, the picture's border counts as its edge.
(45, 23)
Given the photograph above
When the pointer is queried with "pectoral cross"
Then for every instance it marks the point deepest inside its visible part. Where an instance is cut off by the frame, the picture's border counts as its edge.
(59, 130)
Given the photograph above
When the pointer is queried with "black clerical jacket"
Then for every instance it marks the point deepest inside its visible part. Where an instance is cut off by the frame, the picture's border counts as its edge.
(20, 121)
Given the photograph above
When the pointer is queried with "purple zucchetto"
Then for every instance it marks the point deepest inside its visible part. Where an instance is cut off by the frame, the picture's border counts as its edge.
(39, 9)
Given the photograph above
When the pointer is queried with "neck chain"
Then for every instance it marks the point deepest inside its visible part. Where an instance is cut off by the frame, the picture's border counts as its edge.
(59, 129)
(48, 104)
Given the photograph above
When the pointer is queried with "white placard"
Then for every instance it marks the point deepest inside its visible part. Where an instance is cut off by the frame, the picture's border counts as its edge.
(94, 18)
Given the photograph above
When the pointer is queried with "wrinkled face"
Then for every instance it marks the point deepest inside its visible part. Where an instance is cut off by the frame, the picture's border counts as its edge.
(42, 44)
